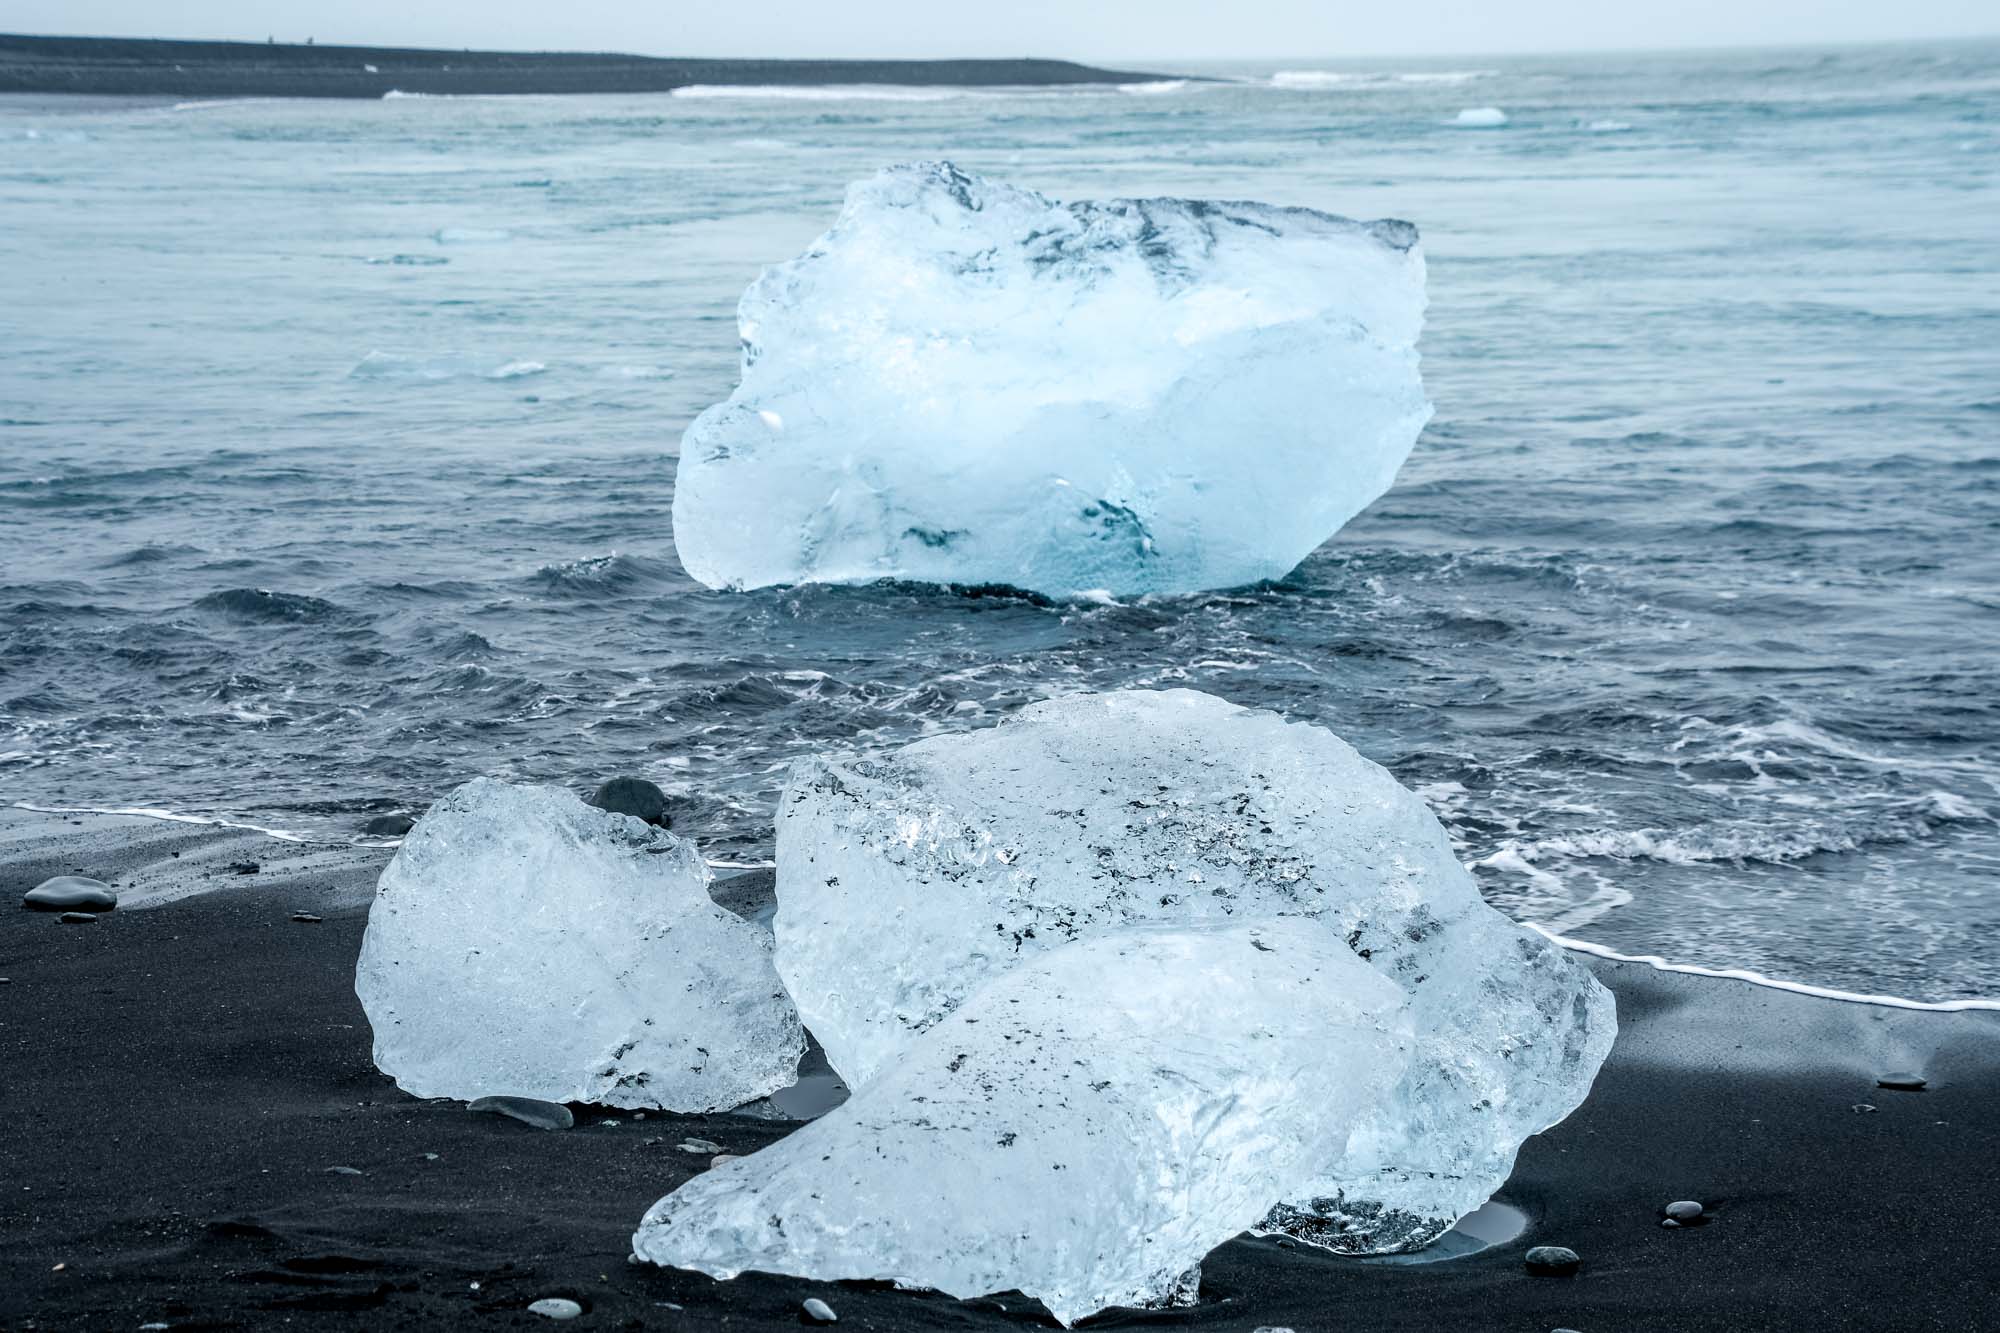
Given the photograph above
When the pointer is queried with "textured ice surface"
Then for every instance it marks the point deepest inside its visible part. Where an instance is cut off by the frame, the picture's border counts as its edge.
(525, 944)
(964, 382)
(904, 883)
(1084, 1128)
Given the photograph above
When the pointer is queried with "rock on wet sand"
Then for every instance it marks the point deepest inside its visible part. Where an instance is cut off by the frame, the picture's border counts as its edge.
(1553, 1260)
(527, 1110)
(635, 797)
(71, 893)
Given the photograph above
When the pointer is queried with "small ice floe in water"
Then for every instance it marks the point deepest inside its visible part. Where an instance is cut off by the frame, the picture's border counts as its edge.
(396, 367)
(66, 893)
(1480, 118)
(1084, 1128)
(907, 881)
(522, 943)
(466, 235)
(967, 383)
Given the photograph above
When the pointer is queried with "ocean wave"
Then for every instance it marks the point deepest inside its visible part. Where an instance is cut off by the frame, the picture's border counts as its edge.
(261, 606)
(1155, 87)
(1480, 118)
(152, 555)
(831, 92)
(604, 575)
(1330, 78)
(1907, 821)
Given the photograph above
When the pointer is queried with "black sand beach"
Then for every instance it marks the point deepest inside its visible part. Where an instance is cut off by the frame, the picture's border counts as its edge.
(130, 66)
(181, 1079)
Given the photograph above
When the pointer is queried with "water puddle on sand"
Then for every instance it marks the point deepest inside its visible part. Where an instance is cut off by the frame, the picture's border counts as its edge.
(1492, 1223)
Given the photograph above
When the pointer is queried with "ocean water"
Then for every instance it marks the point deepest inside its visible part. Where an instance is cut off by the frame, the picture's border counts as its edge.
(336, 461)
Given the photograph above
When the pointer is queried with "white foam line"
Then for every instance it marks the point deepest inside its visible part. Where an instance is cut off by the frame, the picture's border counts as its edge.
(742, 865)
(175, 817)
(1757, 978)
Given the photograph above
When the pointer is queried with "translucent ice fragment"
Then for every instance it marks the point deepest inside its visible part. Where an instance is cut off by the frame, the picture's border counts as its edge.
(907, 882)
(965, 382)
(524, 944)
(1084, 1128)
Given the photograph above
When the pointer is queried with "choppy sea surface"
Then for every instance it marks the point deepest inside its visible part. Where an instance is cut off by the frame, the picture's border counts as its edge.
(337, 442)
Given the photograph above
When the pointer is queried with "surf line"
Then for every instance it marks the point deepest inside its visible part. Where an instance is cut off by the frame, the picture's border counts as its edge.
(175, 817)
(1660, 964)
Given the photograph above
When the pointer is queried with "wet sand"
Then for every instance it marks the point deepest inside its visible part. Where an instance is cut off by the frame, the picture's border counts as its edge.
(133, 67)
(180, 1077)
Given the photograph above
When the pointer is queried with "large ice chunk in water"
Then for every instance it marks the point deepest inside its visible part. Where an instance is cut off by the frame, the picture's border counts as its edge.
(1084, 1128)
(963, 382)
(904, 883)
(525, 944)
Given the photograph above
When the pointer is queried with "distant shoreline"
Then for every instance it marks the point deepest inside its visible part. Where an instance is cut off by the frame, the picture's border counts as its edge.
(112, 66)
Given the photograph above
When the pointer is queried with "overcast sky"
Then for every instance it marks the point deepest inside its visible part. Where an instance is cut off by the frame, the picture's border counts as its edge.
(1100, 30)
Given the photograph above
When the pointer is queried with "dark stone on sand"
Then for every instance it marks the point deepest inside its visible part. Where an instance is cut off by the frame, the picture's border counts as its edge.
(67, 893)
(244, 867)
(75, 918)
(1902, 1082)
(1683, 1210)
(1553, 1260)
(528, 1110)
(389, 826)
(635, 797)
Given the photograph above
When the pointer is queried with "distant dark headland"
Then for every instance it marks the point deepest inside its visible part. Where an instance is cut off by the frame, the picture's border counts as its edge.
(114, 65)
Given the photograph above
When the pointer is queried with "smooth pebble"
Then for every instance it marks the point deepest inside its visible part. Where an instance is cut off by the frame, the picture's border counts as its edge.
(820, 1312)
(1902, 1082)
(70, 892)
(1552, 1259)
(528, 1110)
(555, 1307)
(1683, 1210)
